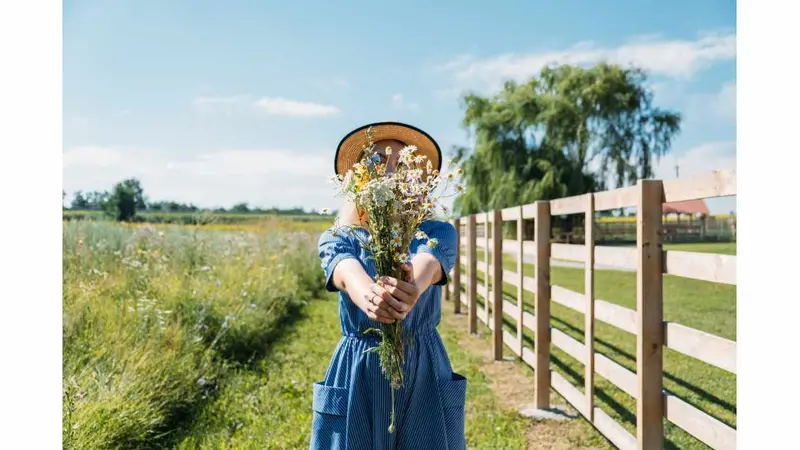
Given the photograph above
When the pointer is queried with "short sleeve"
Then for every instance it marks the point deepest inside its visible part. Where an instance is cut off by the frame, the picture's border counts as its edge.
(333, 248)
(445, 249)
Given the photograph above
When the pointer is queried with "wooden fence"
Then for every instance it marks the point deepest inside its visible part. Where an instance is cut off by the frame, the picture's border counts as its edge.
(646, 322)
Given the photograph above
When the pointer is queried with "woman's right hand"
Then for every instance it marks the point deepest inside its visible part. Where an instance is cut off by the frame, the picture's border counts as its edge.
(379, 305)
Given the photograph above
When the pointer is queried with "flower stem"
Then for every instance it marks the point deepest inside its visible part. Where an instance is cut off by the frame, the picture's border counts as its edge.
(391, 424)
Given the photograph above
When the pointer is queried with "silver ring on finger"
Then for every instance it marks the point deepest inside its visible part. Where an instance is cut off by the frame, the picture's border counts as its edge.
(372, 299)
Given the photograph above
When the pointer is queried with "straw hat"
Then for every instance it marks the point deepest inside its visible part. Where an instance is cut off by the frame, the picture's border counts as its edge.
(350, 149)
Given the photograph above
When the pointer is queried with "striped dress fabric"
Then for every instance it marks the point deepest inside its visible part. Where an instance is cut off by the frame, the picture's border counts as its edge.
(352, 404)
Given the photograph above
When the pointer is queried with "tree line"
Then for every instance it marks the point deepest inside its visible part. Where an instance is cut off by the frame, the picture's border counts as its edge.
(127, 198)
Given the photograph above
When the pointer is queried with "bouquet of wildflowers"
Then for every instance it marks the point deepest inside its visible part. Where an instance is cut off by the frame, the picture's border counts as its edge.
(394, 205)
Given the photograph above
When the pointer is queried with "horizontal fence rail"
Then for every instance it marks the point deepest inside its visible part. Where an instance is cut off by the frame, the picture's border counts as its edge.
(646, 322)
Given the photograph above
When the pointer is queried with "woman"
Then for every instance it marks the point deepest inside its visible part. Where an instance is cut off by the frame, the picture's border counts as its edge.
(352, 404)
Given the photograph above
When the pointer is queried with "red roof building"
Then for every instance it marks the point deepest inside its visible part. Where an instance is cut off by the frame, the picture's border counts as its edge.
(689, 207)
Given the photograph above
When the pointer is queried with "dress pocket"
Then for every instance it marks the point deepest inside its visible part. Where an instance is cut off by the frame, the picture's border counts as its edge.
(453, 395)
(330, 417)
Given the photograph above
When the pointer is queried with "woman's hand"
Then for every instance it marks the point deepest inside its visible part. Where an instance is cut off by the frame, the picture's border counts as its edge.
(406, 291)
(379, 305)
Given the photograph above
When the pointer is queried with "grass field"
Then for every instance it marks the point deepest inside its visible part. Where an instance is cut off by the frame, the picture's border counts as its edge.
(268, 405)
(198, 218)
(706, 306)
(155, 321)
(210, 337)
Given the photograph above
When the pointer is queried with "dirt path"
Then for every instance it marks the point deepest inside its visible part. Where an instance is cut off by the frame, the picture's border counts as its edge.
(511, 383)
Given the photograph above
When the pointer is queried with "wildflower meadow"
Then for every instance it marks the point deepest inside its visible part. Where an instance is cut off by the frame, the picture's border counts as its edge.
(155, 320)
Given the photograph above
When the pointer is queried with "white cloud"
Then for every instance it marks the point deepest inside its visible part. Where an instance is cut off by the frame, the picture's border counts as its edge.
(704, 158)
(221, 104)
(277, 106)
(90, 156)
(671, 58)
(722, 104)
(283, 107)
(398, 102)
(261, 177)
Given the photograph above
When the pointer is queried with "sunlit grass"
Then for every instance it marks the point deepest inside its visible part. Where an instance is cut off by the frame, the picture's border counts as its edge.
(702, 305)
(153, 320)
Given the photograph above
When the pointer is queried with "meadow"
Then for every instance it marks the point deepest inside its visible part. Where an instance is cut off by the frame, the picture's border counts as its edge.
(154, 321)
(211, 337)
(702, 305)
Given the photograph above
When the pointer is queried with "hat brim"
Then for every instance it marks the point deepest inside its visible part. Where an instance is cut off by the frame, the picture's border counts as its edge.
(351, 147)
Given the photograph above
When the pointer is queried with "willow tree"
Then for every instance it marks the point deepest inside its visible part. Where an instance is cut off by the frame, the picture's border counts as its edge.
(567, 131)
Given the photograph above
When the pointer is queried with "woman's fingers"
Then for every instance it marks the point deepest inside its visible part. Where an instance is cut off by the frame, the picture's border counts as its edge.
(409, 270)
(380, 319)
(402, 290)
(387, 298)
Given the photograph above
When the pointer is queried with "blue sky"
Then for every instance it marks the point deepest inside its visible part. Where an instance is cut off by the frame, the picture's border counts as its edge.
(220, 102)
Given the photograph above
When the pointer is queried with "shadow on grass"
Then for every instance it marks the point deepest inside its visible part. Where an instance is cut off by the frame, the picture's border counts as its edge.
(705, 395)
(621, 410)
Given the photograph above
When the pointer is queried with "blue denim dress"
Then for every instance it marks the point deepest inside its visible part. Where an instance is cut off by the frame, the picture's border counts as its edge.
(352, 404)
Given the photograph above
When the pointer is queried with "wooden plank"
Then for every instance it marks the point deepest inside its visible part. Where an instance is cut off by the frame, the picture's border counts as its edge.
(509, 246)
(568, 252)
(457, 270)
(542, 305)
(616, 374)
(569, 392)
(615, 432)
(568, 205)
(720, 183)
(619, 316)
(650, 314)
(529, 321)
(570, 299)
(472, 275)
(512, 213)
(701, 266)
(568, 344)
(510, 309)
(484, 316)
(497, 284)
(529, 211)
(618, 257)
(512, 342)
(529, 357)
(698, 344)
(588, 325)
(709, 430)
(512, 278)
(618, 198)
(520, 279)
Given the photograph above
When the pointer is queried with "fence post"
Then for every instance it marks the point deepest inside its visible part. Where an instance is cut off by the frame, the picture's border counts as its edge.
(472, 276)
(486, 264)
(649, 311)
(457, 269)
(497, 283)
(589, 316)
(542, 337)
(520, 286)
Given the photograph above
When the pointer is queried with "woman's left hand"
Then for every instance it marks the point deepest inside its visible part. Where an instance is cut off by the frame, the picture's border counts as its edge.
(406, 291)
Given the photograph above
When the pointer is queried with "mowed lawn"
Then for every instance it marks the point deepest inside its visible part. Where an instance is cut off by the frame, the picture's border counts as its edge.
(709, 307)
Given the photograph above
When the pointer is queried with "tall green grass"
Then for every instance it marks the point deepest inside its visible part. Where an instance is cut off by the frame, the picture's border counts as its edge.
(153, 320)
